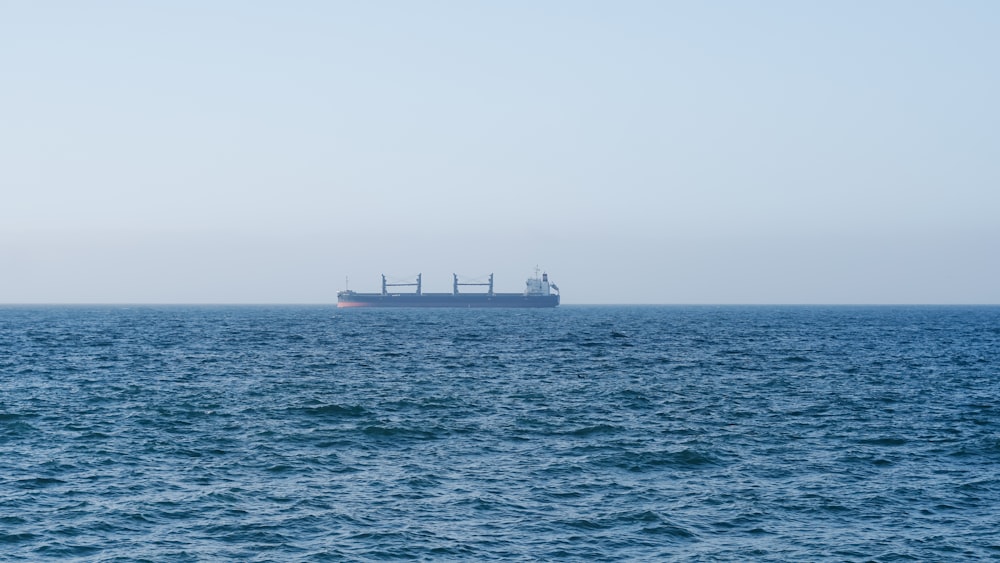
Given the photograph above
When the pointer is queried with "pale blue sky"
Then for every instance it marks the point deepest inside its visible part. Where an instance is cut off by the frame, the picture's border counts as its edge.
(641, 152)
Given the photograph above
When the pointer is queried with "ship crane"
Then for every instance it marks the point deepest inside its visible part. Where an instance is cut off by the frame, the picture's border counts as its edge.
(456, 284)
(385, 285)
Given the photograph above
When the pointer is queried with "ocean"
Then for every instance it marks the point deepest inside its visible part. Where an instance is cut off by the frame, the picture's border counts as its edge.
(606, 433)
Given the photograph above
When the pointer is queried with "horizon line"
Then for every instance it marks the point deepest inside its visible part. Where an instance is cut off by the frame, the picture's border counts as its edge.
(334, 304)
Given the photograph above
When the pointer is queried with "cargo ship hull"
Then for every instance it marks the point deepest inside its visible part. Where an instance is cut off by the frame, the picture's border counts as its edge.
(538, 293)
(462, 300)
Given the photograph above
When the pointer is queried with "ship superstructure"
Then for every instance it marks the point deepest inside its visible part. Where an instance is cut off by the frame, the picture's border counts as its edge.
(538, 292)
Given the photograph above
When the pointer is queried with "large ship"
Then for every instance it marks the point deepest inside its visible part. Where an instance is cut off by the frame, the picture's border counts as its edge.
(538, 293)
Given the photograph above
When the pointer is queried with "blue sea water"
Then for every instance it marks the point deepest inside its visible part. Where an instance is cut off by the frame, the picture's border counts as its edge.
(577, 433)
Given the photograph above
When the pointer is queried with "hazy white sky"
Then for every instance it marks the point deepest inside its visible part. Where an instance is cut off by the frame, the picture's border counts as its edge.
(640, 152)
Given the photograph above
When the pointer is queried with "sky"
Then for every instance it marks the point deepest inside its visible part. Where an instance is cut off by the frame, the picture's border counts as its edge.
(654, 152)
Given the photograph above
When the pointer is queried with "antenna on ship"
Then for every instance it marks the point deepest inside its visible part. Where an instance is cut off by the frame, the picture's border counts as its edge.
(347, 283)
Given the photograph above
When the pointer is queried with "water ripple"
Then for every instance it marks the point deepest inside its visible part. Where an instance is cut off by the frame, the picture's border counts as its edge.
(607, 433)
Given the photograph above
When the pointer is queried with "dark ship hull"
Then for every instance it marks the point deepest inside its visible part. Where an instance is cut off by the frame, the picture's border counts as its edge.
(463, 300)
